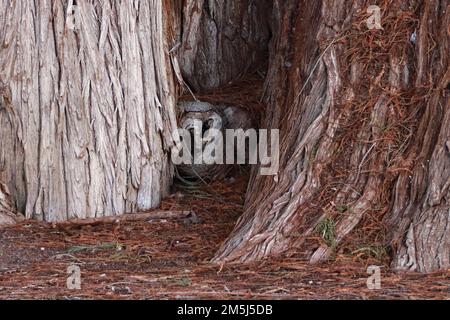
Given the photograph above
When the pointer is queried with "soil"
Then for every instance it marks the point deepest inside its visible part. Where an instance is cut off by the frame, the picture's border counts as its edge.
(170, 260)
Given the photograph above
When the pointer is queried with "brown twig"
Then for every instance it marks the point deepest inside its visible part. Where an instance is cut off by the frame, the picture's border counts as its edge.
(154, 215)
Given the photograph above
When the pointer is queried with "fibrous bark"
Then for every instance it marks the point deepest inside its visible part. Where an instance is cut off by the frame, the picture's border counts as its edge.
(8, 213)
(90, 107)
(222, 40)
(364, 119)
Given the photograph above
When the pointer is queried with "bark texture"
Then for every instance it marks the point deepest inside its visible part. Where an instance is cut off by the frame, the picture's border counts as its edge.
(86, 115)
(222, 40)
(89, 111)
(8, 215)
(364, 119)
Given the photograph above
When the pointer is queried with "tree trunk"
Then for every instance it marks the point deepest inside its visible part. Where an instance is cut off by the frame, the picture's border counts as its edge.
(222, 40)
(90, 106)
(364, 119)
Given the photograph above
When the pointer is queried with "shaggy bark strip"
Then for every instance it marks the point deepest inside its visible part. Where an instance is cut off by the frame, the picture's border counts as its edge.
(91, 110)
(8, 212)
(420, 220)
(364, 123)
(87, 115)
(8, 215)
(149, 216)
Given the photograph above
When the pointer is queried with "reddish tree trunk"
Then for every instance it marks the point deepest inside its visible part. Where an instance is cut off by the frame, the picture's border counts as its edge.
(364, 119)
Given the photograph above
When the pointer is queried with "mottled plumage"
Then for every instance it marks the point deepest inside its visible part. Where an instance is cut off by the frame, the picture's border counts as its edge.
(219, 117)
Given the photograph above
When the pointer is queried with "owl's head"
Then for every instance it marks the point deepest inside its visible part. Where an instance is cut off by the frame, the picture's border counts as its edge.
(204, 120)
(217, 117)
(200, 118)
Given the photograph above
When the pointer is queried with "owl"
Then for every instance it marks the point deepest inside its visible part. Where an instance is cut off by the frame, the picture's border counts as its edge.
(196, 115)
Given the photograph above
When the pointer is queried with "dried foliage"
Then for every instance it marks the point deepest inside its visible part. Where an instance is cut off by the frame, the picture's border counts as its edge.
(380, 137)
(170, 259)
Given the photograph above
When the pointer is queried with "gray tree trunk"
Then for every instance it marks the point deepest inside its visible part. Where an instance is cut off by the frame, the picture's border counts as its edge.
(89, 107)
